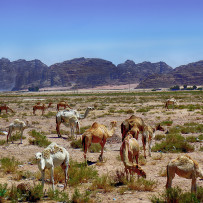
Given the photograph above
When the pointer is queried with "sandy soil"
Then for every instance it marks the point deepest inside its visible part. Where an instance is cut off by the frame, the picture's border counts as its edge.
(25, 152)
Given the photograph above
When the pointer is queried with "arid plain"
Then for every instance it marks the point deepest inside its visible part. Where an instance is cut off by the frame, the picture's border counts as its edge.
(109, 106)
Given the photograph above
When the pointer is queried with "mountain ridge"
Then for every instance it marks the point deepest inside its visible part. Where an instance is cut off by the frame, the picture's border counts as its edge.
(91, 72)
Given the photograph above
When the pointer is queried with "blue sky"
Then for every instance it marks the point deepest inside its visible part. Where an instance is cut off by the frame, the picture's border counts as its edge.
(116, 30)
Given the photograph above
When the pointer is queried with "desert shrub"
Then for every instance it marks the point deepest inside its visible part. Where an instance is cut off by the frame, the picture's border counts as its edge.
(79, 173)
(35, 193)
(166, 123)
(39, 139)
(9, 165)
(173, 143)
(103, 182)
(76, 144)
(159, 137)
(142, 184)
(119, 178)
(95, 147)
(15, 137)
(2, 142)
(176, 195)
(81, 198)
(50, 114)
(23, 175)
(158, 157)
(191, 139)
(200, 137)
(58, 196)
(3, 190)
(142, 110)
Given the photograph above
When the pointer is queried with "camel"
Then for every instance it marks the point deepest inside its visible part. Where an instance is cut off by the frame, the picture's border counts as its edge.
(17, 125)
(148, 134)
(6, 108)
(129, 151)
(72, 118)
(39, 107)
(53, 156)
(62, 104)
(128, 124)
(97, 133)
(171, 101)
(184, 166)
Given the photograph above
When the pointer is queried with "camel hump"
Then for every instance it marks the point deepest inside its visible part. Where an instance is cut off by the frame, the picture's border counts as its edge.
(17, 121)
(95, 125)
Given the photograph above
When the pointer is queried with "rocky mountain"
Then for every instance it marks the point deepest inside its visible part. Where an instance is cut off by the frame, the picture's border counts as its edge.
(91, 72)
(191, 74)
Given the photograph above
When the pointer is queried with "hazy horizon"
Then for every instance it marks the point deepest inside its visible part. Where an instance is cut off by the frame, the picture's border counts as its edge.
(54, 31)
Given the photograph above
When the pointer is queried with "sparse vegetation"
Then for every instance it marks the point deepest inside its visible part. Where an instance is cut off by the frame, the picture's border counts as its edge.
(9, 165)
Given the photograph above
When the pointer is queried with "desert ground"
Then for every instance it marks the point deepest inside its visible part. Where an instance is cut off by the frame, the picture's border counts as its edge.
(109, 106)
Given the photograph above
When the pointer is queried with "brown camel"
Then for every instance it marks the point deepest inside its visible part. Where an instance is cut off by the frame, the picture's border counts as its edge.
(128, 124)
(185, 167)
(62, 104)
(171, 101)
(97, 133)
(148, 134)
(129, 151)
(6, 108)
(39, 107)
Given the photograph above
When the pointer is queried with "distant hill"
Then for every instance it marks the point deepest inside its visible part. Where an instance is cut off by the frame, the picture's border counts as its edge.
(191, 74)
(92, 72)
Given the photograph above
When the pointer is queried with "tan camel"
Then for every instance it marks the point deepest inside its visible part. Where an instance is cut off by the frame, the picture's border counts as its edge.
(171, 101)
(185, 167)
(128, 124)
(6, 108)
(147, 135)
(39, 107)
(97, 133)
(62, 104)
(17, 125)
(129, 151)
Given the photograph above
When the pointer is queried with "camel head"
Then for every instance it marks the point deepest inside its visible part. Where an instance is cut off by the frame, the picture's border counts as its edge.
(113, 124)
(89, 108)
(159, 127)
(137, 169)
(38, 156)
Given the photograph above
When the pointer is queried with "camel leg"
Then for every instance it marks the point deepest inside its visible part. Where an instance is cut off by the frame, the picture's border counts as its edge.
(102, 149)
(21, 137)
(43, 175)
(58, 129)
(52, 177)
(65, 166)
(144, 144)
(8, 135)
(170, 176)
(150, 145)
(194, 185)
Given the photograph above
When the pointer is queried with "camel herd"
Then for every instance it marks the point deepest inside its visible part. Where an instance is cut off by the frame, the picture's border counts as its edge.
(131, 127)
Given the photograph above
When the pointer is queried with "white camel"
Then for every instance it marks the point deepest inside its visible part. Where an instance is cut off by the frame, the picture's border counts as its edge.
(185, 167)
(17, 125)
(53, 156)
(70, 117)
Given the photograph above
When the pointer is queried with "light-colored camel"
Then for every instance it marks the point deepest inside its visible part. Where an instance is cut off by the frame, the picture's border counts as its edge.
(6, 108)
(147, 135)
(70, 117)
(184, 166)
(129, 151)
(62, 104)
(171, 101)
(51, 157)
(97, 133)
(39, 107)
(128, 124)
(17, 125)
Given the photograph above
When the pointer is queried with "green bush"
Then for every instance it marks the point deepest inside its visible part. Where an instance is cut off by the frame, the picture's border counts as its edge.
(173, 143)
(176, 195)
(159, 137)
(166, 123)
(9, 165)
(39, 139)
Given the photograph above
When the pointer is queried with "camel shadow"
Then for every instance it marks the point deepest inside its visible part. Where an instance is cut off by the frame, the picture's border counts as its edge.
(89, 163)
